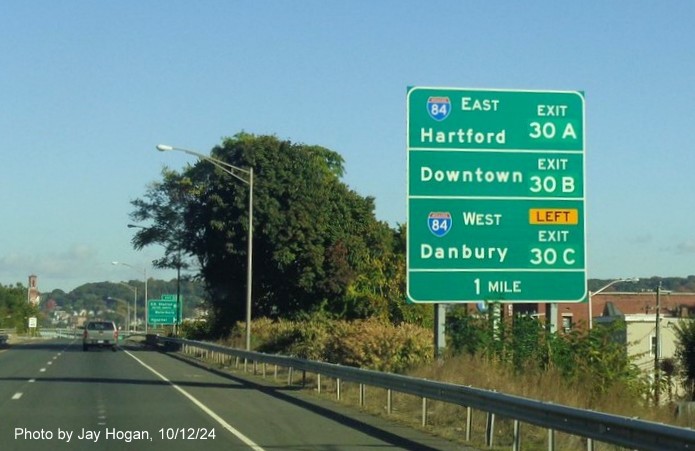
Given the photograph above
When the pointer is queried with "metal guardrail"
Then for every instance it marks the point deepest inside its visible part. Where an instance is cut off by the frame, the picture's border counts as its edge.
(40, 333)
(67, 332)
(58, 333)
(613, 429)
(46, 332)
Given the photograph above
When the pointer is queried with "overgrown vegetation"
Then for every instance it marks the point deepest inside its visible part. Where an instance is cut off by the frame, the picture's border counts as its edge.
(365, 343)
(590, 361)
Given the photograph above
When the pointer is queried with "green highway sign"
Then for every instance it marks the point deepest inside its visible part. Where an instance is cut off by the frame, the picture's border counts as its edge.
(495, 195)
(162, 311)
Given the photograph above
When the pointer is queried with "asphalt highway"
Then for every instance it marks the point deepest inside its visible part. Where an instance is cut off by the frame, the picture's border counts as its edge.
(55, 396)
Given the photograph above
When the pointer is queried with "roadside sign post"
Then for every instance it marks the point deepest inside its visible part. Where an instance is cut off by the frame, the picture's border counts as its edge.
(495, 196)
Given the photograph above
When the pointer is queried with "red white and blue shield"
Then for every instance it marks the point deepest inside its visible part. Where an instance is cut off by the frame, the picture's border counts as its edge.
(438, 107)
(439, 223)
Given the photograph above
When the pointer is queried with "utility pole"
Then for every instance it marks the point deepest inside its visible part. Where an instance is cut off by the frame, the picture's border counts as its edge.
(656, 346)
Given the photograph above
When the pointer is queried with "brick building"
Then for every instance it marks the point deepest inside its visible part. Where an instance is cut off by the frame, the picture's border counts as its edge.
(570, 316)
(33, 294)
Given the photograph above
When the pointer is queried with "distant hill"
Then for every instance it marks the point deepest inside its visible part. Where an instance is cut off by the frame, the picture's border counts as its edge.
(676, 284)
(95, 295)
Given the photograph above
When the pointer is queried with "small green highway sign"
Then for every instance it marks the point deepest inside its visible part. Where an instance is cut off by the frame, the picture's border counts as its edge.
(495, 195)
(162, 311)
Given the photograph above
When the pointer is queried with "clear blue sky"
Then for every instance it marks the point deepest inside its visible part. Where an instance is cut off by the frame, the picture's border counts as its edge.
(87, 89)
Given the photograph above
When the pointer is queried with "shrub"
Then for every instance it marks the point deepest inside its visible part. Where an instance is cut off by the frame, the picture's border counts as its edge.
(367, 343)
(195, 330)
(380, 346)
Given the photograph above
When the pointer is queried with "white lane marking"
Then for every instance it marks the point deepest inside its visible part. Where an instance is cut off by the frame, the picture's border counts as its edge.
(32, 380)
(202, 406)
(17, 395)
(49, 363)
(42, 370)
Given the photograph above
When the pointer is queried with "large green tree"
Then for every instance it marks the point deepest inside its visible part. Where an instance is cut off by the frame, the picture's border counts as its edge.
(163, 209)
(317, 244)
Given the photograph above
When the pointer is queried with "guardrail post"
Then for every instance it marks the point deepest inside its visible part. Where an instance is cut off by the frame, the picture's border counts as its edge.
(263, 370)
(318, 382)
(275, 372)
(589, 444)
(337, 388)
(490, 429)
(424, 411)
(361, 395)
(516, 445)
(389, 396)
(469, 423)
(289, 376)
(551, 440)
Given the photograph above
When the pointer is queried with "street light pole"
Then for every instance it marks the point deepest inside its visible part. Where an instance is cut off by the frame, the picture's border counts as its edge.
(657, 348)
(144, 274)
(135, 304)
(234, 172)
(593, 293)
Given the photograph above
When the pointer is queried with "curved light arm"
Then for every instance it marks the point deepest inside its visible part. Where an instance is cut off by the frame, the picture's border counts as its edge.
(629, 279)
(222, 165)
(133, 289)
(592, 293)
